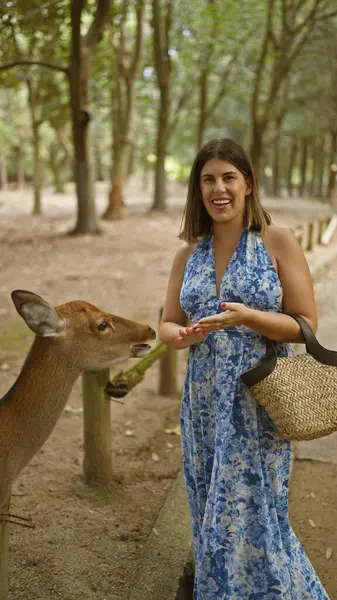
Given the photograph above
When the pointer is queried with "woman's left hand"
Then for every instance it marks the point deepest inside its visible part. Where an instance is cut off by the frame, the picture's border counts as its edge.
(235, 314)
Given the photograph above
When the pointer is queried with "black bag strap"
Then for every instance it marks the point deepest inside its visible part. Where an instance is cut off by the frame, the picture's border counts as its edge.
(268, 364)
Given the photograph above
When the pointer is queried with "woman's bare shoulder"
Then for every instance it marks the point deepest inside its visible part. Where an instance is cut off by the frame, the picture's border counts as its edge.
(184, 252)
(279, 237)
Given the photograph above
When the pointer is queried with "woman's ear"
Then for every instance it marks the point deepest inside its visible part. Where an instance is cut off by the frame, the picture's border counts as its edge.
(249, 186)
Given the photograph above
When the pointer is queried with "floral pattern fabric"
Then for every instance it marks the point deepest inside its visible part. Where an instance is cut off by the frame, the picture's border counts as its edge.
(236, 465)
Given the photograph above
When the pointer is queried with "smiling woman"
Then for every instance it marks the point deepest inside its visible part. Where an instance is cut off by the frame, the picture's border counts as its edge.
(234, 279)
(220, 169)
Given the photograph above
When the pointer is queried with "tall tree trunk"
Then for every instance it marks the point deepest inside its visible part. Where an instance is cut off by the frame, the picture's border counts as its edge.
(202, 116)
(133, 160)
(265, 180)
(98, 163)
(162, 136)
(123, 110)
(256, 149)
(332, 164)
(37, 208)
(79, 92)
(276, 160)
(20, 176)
(33, 98)
(162, 24)
(314, 166)
(3, 173)
(292, 164)
(304, 165)
(321, 167)
(115, 209)
(80, 77)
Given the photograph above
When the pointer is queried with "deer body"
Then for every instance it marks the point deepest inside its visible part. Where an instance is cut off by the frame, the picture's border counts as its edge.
(70, 339)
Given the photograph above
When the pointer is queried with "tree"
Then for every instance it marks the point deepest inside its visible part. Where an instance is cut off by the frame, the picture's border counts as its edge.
(79, 74)
(162, 16)
(288, 28)
(127, 62)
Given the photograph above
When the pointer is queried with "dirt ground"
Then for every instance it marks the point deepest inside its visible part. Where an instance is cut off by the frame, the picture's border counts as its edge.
(86, 542)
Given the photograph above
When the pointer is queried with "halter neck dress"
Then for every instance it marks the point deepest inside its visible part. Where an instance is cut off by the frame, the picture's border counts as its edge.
(236, 465)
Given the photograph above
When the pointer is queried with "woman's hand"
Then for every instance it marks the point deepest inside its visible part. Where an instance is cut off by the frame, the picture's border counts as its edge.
(235, 314)
(189, 335)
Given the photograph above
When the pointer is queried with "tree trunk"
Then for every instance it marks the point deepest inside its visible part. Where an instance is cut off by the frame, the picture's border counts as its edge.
(3, 173)
(37, 209)
(33, 99)
(162, 136)
(79, 93)
(98, 163)
(58, 167)
(276, 161)
(58, 181)
(115, 209)
(20, 177)
(202, 117)
(256, 149)
(315, 147)
(332, 161)
(292, 164)
(321, 167)
(132, 162)
(304, 164)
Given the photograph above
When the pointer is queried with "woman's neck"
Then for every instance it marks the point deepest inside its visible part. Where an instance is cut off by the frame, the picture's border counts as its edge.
(227, 232)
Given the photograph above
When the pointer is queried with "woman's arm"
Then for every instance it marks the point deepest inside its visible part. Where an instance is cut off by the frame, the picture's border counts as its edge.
(173, 331)
(298, 295)
(298, 292)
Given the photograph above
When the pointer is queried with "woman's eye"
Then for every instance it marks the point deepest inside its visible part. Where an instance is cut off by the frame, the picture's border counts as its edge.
(103, 326)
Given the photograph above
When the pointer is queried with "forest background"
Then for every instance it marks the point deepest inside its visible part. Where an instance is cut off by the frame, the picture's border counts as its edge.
(99, 90)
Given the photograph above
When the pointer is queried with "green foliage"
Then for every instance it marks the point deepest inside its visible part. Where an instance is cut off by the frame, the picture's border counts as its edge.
(210, 34)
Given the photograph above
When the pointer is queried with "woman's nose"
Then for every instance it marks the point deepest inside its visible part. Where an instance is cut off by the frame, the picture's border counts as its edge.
(220, 185)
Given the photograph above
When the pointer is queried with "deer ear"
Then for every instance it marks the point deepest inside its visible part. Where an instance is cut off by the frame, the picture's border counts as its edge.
(37, 313)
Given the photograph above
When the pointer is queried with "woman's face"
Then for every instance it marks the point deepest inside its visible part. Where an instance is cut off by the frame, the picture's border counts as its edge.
(223, 189)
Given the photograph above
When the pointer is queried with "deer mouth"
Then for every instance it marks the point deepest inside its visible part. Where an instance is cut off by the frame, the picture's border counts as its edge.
(139, 350)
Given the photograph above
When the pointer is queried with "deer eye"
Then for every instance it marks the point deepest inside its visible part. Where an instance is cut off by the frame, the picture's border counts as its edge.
(103, 326)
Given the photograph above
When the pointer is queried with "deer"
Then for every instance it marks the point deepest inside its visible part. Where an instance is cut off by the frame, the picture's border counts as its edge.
(69, 339)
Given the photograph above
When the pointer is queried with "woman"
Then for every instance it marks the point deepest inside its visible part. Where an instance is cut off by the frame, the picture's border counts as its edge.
(233, 279)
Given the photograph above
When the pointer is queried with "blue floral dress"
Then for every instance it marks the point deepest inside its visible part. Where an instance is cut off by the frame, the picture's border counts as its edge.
(236, 465)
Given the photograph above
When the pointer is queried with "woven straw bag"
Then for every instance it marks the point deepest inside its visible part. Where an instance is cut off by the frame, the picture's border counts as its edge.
(299, 392)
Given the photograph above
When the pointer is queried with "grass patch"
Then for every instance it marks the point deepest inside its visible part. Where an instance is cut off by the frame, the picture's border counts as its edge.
(17, 340)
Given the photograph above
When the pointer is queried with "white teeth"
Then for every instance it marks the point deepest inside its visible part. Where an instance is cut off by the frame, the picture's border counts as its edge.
(221, 202)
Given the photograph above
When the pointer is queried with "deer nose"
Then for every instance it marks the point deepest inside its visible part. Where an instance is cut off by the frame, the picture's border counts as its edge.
(152, 333)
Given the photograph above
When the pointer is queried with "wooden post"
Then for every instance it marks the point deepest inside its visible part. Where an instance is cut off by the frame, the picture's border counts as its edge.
(330, 230)
(97, 465)
(323, 225)
(310, 242)
(313, 234)
(4, 552)
(168, 367)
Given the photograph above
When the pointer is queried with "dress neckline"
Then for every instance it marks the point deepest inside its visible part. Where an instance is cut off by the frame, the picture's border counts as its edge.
(218, 296)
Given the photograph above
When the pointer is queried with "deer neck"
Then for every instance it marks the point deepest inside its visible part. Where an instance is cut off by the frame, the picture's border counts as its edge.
(39, 394)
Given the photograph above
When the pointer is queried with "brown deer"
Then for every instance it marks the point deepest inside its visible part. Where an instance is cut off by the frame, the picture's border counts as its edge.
(70, 339)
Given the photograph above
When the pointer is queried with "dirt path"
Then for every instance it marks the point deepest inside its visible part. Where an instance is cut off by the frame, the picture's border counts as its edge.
(86, 543)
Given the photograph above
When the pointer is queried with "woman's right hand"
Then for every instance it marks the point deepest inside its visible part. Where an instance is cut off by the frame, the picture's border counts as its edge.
(189, 335)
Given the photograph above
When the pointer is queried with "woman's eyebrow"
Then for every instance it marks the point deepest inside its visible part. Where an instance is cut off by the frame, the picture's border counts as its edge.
(225, 173)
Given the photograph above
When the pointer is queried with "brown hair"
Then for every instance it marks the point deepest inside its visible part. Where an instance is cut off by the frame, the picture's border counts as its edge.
(196, 221)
